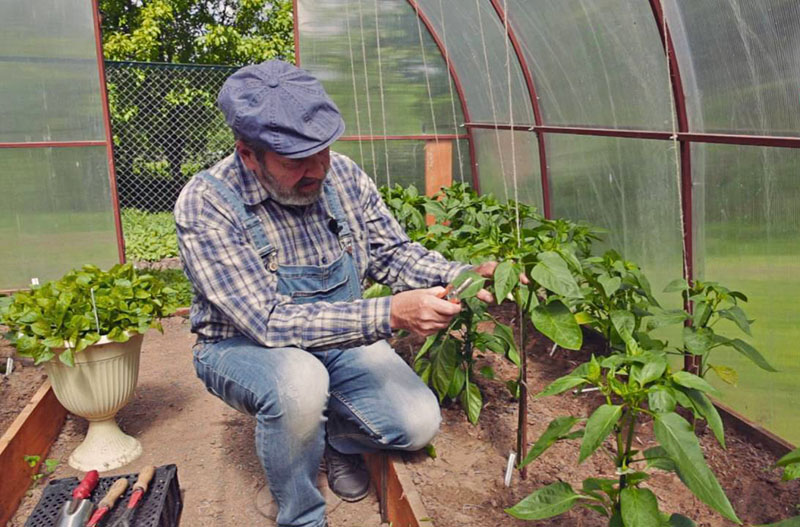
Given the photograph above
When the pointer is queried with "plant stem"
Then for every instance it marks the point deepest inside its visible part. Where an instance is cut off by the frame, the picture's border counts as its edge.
(522, 383)
(624, 456)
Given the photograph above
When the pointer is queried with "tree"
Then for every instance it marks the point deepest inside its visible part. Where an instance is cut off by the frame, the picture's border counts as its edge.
(232, 32)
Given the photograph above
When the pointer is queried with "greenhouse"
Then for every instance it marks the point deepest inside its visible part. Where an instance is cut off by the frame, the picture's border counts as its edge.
(631, 165)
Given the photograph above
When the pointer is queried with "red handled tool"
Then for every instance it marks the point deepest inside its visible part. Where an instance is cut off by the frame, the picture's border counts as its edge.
(139, 488)
(451, 295)
(76, 511)
(107, 503)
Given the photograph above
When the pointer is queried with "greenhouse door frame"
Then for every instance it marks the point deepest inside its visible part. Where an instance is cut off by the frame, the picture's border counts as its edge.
(108, 142)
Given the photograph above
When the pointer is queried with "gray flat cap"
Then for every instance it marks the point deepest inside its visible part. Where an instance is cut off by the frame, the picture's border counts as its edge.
(279, 107)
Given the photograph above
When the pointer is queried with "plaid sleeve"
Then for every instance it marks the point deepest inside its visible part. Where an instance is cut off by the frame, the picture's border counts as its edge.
(225, 269)
(394, 259)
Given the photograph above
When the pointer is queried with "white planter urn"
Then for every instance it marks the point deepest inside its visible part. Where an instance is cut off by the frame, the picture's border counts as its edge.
(96, 388)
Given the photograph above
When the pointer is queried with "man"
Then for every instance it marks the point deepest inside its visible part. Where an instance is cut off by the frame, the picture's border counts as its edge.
(277, 240)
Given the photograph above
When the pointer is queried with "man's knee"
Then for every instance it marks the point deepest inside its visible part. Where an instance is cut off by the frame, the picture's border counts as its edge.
(421, 422)
(301, 394)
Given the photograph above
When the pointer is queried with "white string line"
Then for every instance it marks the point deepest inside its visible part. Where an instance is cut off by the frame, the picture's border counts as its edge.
(450, 87)
(676, 147)
(366, 84)
(513, 163)
(491, 100)
(383, 101)
(511, 120)
(353, 76)
(427, 76)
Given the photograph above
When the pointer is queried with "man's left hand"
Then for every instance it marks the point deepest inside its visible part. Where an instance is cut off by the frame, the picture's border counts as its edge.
(486, 270)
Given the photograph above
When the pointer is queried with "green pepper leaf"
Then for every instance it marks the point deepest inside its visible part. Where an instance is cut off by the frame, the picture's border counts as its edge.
(678, 520)
(751, 353)
(506, 276)
(472, 402)
(553, 274)
(690, 380)
(678, 440)
(558, 324)
(557, 428)
(561, 385)
(549, 501)
(639, 507)
(598, 427)
(736, 314)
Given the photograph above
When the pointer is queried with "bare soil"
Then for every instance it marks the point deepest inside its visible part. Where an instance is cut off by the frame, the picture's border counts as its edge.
(16, 388)
(463, 486)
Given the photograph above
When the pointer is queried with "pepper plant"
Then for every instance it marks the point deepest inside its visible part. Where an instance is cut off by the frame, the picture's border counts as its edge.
(702, 336)
(447, 358)
(637, 385)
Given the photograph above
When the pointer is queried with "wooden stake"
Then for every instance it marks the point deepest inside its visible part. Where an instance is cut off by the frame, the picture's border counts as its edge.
(438, 168)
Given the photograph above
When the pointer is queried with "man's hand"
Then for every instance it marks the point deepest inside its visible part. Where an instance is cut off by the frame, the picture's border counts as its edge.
(486, 270)
(421, 311)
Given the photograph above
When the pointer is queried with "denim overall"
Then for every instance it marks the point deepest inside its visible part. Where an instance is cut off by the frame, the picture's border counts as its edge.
(365, 398)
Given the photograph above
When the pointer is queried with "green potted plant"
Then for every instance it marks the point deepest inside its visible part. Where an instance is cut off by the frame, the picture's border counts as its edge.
(87, 330)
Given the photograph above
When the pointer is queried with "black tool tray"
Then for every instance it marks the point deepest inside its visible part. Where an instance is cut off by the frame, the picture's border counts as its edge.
(160, 507)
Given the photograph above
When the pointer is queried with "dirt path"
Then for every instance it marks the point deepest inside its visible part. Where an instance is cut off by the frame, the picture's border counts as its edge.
(178, 422)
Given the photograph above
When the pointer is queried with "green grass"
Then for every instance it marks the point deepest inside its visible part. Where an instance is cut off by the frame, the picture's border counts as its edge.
(772, 284)
(175, 279)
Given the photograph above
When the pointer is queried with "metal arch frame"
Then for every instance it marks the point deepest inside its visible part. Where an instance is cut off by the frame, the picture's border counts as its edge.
(112, 173)
(537, 114)
(456, 82)
(459, 89)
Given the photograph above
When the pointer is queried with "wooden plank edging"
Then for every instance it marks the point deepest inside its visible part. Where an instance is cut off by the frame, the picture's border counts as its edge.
(31, 434)
(400, 503)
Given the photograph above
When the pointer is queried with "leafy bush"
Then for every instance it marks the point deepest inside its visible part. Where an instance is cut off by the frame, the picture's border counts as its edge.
(149, 237)
(83, 306)
(177, 281)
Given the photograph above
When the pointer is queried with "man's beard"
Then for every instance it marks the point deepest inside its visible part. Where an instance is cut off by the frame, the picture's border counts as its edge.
(284, 196)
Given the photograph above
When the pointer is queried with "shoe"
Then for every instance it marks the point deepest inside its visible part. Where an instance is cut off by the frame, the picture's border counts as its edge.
(347, 475)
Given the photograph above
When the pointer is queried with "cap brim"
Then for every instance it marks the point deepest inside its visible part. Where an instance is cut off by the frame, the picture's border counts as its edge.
(318, 147)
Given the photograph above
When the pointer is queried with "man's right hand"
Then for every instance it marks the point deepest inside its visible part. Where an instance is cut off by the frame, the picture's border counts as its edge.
(421, 311)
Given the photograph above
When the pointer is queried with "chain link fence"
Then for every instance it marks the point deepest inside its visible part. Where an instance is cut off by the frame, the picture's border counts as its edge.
(166, 128)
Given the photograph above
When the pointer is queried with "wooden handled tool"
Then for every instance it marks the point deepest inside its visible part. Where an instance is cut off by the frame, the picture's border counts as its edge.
(107, 503)
(139, 488)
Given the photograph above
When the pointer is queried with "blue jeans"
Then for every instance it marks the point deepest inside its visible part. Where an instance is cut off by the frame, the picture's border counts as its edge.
(368, 397)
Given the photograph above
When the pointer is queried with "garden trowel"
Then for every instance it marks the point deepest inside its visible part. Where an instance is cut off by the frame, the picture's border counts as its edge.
(76, 511)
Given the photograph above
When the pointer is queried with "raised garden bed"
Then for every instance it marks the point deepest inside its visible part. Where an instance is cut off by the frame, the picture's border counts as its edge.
(464, 487)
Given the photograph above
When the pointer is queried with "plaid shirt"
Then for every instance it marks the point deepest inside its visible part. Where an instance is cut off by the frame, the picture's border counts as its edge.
(236, 295)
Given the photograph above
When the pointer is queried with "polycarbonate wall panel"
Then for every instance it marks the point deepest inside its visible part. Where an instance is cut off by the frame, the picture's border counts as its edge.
(406, 160)
(50, 89)
(752, 244)
(628, 186)
(741, 60)
(503, 157)
(476, 43)
(596, 63)
(55, 213)
(339, 44)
